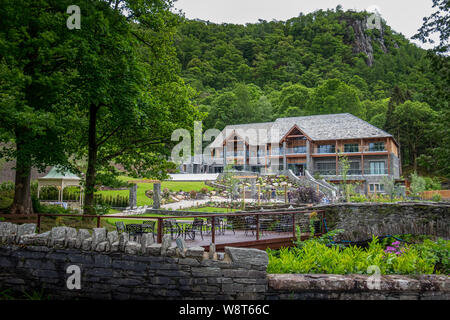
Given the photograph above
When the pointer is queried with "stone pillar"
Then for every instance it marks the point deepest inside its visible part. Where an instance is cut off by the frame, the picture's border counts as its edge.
(156, 195)
(245, 157)
(133, 196)
(253, 188)
(224, 156)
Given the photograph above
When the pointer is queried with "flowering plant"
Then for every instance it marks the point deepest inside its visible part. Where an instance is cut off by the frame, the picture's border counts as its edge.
(394, 248)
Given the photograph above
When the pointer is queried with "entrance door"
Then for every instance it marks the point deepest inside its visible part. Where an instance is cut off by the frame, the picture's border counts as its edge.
(300, 169)
(297, 168)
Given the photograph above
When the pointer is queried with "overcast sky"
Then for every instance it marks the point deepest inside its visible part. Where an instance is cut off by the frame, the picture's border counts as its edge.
(404, 16)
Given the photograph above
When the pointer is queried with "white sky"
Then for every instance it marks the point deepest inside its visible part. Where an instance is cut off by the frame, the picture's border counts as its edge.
(404, 16)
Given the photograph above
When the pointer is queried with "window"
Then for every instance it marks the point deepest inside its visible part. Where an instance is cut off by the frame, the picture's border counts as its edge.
(326, 168)
(376, 146)
(354, 168)
(351, 147)
(326, 148)
(377, 167)
(379, 187)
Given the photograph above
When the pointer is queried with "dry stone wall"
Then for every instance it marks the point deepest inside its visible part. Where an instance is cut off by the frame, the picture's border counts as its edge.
(362, 220)
(113, 266)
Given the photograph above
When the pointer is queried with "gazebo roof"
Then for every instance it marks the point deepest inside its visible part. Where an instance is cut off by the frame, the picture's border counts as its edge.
(58, 173)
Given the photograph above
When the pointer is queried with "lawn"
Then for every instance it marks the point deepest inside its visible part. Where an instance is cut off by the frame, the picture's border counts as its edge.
(112, 221)
(142, 199)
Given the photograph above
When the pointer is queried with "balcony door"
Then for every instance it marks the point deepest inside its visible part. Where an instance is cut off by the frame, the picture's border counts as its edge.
(377, 167)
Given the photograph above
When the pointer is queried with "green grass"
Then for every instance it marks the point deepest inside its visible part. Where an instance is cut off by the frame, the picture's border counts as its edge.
(143, 200)
(112, 221)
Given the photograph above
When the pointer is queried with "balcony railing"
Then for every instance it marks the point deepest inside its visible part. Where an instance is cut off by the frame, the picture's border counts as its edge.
(352, 172)
(236, 154)
(276, 152)
(360, 149)
(296, 150)
(376, 172)
(326, 172)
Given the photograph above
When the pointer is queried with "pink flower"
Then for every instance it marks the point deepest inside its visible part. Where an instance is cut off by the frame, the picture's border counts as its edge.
(396, 243)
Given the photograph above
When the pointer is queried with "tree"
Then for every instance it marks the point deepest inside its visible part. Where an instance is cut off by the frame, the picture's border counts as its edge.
(439, 22)
(334, 96)
(36, 73)
(130, 90)
(415, 121)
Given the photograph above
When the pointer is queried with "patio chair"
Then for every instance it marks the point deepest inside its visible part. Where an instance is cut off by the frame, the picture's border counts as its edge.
(120, 226)
(285, 223)
(249, 224)
(135, 231)
(149, 226)
(195, 227)
(228, 224)
(170, 226)
(218, 224)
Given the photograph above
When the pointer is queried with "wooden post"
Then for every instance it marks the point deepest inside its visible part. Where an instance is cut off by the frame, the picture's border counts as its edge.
(160, 229)
(257, 227)
(98, 222)
(38, 223)
(213, 230)
(293, 225)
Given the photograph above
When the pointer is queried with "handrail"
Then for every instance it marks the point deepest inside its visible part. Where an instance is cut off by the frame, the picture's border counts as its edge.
(213, 215)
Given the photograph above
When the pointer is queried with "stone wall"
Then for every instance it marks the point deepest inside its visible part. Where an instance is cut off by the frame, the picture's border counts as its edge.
(114, 267)
(357, 287)
(362, 220)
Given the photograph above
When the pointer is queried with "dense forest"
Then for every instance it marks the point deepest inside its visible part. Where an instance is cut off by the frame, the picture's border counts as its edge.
(319, 63)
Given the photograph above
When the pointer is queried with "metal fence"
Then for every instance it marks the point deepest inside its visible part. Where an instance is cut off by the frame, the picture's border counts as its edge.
(251, 229)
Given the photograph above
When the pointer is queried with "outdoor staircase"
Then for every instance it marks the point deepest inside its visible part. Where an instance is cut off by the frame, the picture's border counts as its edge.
(308, 180)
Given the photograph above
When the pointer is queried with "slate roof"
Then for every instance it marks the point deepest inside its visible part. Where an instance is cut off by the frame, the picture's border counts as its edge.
(318, 127)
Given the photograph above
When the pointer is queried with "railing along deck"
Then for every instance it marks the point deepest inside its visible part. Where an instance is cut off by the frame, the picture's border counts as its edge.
(247, 229)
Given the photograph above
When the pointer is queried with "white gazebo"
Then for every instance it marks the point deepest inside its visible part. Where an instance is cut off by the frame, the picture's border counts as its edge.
(60, 179)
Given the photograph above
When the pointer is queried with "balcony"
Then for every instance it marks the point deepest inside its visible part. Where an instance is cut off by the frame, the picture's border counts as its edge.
(276, 152)
(296, 150)
(377, 172)
(328, 149)
(235, 154)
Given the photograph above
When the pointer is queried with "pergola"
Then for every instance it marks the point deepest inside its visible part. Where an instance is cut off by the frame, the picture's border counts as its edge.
(60, 179)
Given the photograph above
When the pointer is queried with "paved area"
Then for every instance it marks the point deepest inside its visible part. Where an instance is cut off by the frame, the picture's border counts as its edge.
(193, 176)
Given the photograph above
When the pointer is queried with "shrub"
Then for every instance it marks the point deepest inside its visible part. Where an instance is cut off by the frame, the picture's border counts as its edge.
(306, 195)
(166, 193)
(193, 194)
(204, 190)
(358, 198)
(315, 256)
(436, 197)
(418, 184)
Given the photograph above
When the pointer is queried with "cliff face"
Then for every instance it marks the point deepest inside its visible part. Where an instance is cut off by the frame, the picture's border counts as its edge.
(363, 41)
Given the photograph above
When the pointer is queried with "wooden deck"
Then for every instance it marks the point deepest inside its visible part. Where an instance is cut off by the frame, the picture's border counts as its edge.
(267, 239)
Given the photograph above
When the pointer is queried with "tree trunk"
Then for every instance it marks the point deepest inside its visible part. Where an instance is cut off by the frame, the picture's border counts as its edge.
(22, 203)
(92, 162)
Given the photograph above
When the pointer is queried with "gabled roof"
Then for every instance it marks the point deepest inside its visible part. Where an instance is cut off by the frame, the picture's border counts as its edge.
(318, 128)
(253, 133)
(58, 173)
(332, 127)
